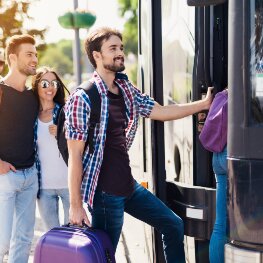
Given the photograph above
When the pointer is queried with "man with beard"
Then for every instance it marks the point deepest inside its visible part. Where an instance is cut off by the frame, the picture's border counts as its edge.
(103, 179)
(18, 174)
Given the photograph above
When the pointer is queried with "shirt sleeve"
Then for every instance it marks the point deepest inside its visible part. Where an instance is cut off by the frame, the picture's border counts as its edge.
(144, 102)
(77, 113)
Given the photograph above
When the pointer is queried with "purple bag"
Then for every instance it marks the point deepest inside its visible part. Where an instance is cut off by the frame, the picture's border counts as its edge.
(68, 244)
(213, 135)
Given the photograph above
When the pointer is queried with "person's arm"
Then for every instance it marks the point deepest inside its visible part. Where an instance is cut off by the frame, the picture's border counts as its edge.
(5, 167)
(177, 111)
(77, 213)
(77, 111)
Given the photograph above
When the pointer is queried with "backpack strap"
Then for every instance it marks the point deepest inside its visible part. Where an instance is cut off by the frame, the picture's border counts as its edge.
(94, 96)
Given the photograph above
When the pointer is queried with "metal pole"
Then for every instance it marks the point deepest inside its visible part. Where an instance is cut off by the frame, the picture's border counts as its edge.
(76, 51)
(88, 67)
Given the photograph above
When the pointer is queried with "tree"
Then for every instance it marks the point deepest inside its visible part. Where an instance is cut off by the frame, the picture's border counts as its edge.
(128, 9)
(58, 56)
(13, 13)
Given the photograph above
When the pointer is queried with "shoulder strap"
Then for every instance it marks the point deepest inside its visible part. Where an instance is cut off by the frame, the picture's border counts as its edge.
(85, 85)
(94, 96)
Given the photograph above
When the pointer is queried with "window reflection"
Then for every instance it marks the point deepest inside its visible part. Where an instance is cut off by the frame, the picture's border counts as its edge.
(178, 49)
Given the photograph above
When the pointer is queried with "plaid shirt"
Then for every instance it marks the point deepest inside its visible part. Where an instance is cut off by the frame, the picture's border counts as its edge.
(77, 125)
(38, 165)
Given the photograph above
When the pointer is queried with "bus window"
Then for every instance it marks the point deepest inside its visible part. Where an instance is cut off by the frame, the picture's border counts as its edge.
(178, 50)
(256, 62)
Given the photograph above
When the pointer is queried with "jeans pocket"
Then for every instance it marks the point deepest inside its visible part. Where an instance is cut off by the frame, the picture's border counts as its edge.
(7, 181)
(6, 173)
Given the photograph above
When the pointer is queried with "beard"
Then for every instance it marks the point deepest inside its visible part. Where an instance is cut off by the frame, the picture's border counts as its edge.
(114, 68)
(23, 69)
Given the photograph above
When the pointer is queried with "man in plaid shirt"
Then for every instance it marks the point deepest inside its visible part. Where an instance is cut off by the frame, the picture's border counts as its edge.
(103, 179)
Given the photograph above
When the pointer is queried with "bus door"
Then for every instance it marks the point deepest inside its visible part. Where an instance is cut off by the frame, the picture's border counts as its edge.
(245, 140)
(178, 60)
(194, 56)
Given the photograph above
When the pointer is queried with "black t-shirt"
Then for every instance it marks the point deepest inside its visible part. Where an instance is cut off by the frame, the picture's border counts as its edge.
(18, 112)
(115, 175)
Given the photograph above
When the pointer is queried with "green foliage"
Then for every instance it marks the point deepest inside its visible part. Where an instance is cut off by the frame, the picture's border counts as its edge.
(128, 9)
(58, 56)
(13, 13)
(66, 48)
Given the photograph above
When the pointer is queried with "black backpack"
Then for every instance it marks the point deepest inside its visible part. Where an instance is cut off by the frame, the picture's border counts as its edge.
(94, 97)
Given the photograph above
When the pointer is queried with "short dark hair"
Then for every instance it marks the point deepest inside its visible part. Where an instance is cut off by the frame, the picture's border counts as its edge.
(14, 43)
(95, 39)
(60, 95)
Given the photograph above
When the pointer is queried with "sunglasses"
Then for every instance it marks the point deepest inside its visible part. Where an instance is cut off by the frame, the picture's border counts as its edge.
(45, 83)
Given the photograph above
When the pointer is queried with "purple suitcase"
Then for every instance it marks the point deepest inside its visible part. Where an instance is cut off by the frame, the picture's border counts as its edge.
(69, 244)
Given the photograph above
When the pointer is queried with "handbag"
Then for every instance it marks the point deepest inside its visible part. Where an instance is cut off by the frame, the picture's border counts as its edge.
(213, 135)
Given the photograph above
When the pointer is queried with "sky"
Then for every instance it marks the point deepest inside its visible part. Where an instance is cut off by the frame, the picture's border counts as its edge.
(46, 12)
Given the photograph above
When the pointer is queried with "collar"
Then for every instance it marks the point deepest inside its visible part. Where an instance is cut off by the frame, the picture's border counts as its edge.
(102, 87)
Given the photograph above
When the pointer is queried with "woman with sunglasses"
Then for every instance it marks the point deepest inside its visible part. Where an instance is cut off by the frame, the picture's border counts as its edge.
(50, 92)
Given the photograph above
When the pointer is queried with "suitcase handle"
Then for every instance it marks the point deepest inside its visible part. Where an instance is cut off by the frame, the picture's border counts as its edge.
(84, 225)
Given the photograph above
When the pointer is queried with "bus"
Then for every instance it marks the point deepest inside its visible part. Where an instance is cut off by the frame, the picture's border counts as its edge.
(184, 47)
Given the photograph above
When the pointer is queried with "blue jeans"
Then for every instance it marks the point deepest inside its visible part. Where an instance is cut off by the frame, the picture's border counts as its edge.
(18, 191)
(108, 214)
(219, 238)
(49, 206)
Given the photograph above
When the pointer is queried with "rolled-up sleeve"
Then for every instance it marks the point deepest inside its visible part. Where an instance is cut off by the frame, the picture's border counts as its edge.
(77, 113)
(145, 103)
